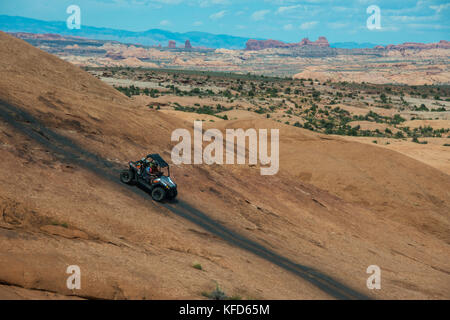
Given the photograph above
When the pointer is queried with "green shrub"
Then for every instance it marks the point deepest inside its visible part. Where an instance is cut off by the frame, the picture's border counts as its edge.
(216, 294)
(197, 266)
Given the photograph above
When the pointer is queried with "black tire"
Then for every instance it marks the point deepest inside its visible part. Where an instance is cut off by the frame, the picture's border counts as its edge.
(158, 194)
(126, 176)
(172, 194)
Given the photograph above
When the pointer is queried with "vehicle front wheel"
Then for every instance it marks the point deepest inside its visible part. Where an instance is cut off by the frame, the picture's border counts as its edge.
(172, 194)
(158, 194)
(126, 176)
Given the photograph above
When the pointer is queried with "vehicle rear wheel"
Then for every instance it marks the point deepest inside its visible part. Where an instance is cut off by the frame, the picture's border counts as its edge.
(158, 194)
(126, 176)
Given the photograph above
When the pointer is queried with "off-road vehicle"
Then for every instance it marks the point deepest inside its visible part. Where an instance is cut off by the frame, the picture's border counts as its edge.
(159, 185)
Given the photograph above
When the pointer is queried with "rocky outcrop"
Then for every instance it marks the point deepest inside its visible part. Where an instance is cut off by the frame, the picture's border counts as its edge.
(172, 44)
(114, 55)
(321, 42)
(268, 44)
(265, 44)
(443, 44)
(48, 36)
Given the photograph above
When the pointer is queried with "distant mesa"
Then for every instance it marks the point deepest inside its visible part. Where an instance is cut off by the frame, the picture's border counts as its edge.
(443, 44)
(268, 44)
(172, 44)
(44, 36)
(187, 45)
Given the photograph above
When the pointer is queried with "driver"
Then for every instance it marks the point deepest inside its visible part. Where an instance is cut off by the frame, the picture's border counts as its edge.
(150, 169)
(153, 168)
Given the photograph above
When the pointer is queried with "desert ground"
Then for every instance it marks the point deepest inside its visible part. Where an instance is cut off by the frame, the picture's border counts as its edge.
(339, 203)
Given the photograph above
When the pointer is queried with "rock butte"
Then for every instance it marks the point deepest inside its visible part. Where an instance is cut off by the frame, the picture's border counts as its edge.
(172, 44)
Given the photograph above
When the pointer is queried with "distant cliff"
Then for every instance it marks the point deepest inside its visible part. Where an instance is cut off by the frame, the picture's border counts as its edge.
(252, 44)
(443, 44)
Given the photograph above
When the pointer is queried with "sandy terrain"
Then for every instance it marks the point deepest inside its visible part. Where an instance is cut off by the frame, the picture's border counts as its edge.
(380, 73)
(434, 153)
(435, 124)
(190, 117)
(367, 125)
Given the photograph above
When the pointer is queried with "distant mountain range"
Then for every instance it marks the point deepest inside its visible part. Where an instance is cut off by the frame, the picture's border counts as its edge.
(152, 37)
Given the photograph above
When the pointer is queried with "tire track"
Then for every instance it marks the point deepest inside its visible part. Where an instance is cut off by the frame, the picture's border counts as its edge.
(62, 146)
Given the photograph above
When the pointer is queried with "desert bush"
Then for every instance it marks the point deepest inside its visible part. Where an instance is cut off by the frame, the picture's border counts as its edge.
(197, 266)
(216, 294)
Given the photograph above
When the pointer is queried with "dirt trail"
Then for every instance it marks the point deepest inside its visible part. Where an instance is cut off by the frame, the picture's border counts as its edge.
(71, 152)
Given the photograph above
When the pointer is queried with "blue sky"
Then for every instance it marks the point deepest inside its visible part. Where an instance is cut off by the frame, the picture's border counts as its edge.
(287, 20)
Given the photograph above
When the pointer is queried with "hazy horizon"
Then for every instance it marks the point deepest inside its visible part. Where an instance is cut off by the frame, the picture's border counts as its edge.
(285, 20)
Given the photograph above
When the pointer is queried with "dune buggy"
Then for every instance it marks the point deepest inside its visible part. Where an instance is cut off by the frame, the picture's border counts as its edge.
(148, 173)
